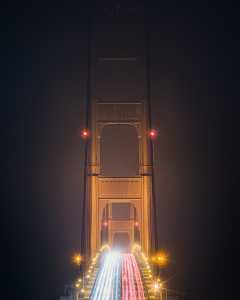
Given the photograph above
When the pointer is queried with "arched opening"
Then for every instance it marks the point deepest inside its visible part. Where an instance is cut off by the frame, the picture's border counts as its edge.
(119, 151)
(121, 242)
(121, 211)
(118, 212)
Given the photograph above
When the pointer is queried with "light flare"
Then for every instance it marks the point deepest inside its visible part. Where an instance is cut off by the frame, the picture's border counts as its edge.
(85, 133)
(152, 133)
(77, 259)
(135, 246)
(105, 246)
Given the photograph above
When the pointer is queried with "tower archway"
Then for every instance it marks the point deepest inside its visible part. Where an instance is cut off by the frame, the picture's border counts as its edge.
(121, 242)
(119, 217)
(119, 147)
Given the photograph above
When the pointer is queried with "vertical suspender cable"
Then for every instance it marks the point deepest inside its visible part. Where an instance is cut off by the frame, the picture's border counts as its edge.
(151, 141)
(83, 237)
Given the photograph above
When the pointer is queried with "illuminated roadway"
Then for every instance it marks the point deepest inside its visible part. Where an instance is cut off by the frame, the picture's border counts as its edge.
(132, 287)
(106, 285)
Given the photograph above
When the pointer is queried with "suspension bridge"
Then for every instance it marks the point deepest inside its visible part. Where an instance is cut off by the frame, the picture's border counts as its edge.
(107, 270)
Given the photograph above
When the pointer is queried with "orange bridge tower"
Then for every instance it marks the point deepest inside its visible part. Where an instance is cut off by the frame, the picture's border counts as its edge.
(115, 41)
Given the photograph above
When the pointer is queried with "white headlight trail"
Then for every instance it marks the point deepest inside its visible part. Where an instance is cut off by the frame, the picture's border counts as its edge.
(106, 285)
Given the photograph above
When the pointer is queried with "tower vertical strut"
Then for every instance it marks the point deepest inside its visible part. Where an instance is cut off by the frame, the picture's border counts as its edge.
(151, 141)
(83, 235)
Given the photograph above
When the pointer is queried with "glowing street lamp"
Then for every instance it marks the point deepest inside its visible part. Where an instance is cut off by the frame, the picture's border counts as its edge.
(135, 247)
(160, 258)
(77, 259)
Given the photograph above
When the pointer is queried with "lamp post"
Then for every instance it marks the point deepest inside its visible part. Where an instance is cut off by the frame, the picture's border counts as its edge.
(189, 295)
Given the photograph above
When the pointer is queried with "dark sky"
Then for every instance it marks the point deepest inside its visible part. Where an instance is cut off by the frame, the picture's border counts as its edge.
(193, 69)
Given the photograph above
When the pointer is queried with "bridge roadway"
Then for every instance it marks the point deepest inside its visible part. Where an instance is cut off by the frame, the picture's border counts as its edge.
(107, 283)
(132, 286)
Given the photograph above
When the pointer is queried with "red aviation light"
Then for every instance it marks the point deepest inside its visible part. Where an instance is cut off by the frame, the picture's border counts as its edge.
(105, 223)
(136, 223)
(152, 133)
(85, 134)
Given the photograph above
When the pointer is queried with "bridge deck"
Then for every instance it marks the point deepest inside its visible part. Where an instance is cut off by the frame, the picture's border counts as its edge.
(125, 278)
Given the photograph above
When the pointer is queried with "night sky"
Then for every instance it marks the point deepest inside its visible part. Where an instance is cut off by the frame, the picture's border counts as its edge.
(193, 71)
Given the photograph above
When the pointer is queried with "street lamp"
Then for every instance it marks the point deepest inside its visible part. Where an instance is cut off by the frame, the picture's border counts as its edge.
(189, 295)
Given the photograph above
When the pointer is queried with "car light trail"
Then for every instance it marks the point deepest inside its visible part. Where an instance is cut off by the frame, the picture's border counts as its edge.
(106, 285)
(132, 287)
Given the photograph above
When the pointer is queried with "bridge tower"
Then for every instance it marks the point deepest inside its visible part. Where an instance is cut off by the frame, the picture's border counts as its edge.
(112, 38)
